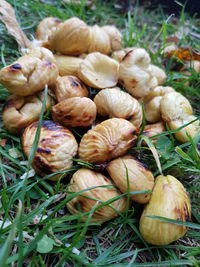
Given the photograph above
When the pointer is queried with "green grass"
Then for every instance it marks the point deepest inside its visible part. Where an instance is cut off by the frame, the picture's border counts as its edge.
(36, 229)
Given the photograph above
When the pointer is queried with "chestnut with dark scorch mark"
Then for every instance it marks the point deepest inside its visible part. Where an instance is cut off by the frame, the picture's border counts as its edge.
(41, 166)
(44, 150)
(73, 82)
(50, 125)
(127, 55)
(15, 67)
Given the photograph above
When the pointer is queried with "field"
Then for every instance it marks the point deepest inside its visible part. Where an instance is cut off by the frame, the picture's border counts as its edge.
(35, 227)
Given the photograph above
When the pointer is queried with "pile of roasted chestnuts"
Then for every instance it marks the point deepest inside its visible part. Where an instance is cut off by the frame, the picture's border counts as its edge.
(72, 59)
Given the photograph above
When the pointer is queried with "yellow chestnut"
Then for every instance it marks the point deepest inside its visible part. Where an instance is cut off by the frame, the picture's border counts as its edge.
(170, 200)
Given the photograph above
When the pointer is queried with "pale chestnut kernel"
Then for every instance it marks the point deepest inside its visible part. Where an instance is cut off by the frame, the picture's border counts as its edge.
(84, 179)
(75, 112)
(69, 86)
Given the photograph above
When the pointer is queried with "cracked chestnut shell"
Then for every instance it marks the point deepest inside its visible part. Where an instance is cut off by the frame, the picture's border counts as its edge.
(72, 37)
(130, 175)
(85, 179)
(110, 102)
(56, 148)
(135, 73)
(170, 200)
(107, 140)
(99, 71)
(75, 112)
(69, 86)
(30, 73)
(20, 111)
(176, 111)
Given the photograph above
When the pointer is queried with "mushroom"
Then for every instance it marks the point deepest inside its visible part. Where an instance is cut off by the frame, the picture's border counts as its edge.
(56, 148)
(86, 201)
(107, 140)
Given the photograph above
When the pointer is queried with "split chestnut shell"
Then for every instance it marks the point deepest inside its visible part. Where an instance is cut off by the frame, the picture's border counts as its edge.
(170, 200)
(57, 146)
(85, 179)
(130, 175)
(111, 102)
(75, 112)
(109, 139)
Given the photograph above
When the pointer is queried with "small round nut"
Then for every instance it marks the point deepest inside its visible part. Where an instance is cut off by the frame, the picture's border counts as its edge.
(67, 65)
(177, 111)
(110, 102)
(109, 139)
(56, 148)
(100, 41)
(30, 73)
(120, 54)
(135, 73)
(152, 102)
(85, 179)
(130, 175)
(71, 37)
(75, 112)
(159, 74)
(115, 37)
(169, 199)
(153, 129)
(46, 27)
(99, 71)
(69, 86)
(20, 111)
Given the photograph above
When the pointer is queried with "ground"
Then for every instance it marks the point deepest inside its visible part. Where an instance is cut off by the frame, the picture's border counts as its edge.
(36, 228)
